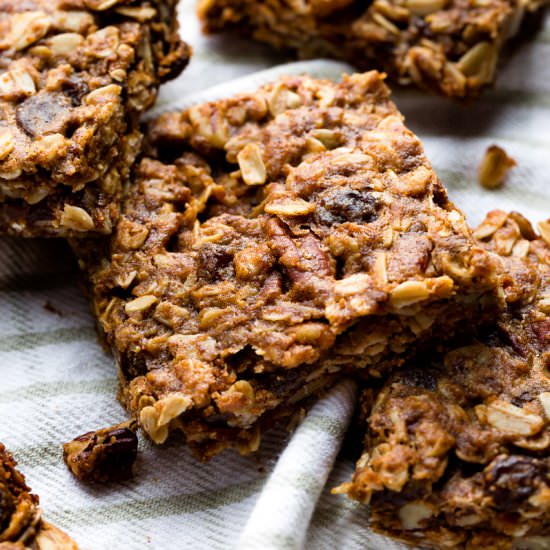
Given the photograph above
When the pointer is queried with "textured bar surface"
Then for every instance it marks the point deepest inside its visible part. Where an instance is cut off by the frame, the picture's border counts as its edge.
(457, 452)
(269, 242)
(21, 523)
(74, 77)
(450, 46)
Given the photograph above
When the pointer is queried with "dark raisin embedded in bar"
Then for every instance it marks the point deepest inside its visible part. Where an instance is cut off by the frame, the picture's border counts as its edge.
(457, 451)
(74, 77)
(270, 243)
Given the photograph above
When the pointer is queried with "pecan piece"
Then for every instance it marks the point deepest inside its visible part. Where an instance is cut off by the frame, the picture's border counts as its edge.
(103, 455)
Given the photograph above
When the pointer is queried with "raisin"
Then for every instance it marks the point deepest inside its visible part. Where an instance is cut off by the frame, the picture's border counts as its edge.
(343, 204)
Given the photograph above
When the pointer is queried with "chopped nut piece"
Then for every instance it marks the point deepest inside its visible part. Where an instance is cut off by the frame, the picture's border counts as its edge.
(103, 455)
(494, 167)
(252, 165)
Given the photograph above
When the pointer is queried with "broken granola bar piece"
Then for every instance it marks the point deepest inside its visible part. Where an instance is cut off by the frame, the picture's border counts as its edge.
(450, 46)
(103, 455)
(270, 242)
(457, 451)
(74, 77)
(21, 523)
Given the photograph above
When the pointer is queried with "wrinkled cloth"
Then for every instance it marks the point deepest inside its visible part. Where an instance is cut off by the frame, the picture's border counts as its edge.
(56, 382)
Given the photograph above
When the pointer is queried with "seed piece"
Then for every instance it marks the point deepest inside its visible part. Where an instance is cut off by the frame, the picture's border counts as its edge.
(544, 228)
(424, 7)
(479, 62)
(544, 399)
(413, 513)
(289, 207)
(103, 455)
(282, 99)
(16, 83)
(140, 14)
(74, 217)
(155, 418)
(50, 537)
(509, 418)
(7, 143)
(65, 43)
(494, 167)
(329, 138)
(408, 293)
(140, 304)
(27, 28)
(100, 5)
(252, 165)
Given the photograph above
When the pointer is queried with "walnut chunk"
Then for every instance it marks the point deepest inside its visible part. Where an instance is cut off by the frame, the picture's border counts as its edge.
(494, 167)
(103, 455)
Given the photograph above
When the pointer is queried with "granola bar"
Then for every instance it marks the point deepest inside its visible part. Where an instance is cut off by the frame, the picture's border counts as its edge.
(74, 77)
(269, 242)
(457, 452)
(449, 46)
(21, 523)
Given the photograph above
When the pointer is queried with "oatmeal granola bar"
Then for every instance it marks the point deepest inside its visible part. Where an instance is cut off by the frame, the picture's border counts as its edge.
(269, 242)
(74, 77)
(21, 523)
(457, 452)
(449, 46)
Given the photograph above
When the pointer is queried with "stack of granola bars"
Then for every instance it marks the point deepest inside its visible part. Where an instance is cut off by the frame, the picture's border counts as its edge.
(243, 255)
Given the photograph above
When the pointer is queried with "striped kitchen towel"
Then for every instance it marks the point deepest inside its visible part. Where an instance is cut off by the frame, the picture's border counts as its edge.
(56, 382)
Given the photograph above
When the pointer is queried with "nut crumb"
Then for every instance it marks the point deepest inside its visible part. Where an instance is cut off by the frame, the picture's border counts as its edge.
(103, 455)
(494, 167)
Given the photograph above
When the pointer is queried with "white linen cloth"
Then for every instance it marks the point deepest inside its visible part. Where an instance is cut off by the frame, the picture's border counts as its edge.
(56, 382)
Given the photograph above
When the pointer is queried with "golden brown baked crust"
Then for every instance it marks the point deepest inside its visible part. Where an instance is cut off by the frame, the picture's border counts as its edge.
(21, 524)
(288, 234)
(74, 77)
(457, 452)
(450, 46)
